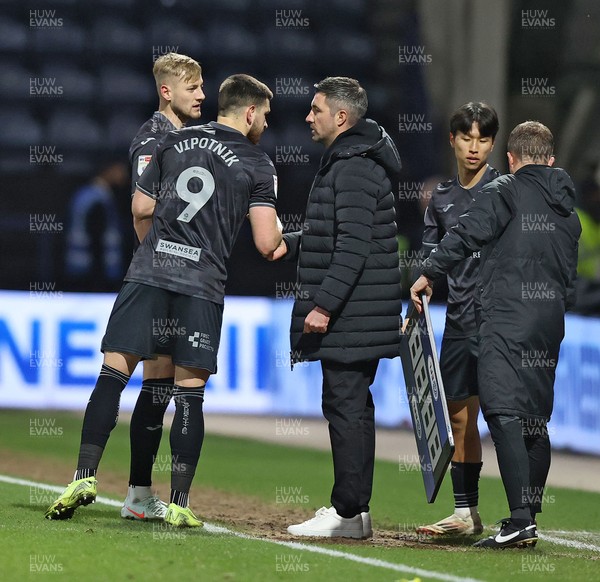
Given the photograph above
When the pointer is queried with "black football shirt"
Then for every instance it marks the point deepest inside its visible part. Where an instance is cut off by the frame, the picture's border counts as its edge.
(448, 201)
(142, 148)
(144, 143)
(204, 179)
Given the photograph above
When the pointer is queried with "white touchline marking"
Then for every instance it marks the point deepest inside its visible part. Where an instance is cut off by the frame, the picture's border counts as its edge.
(338, 554)
(570, 543)
(579, 532)
(211, 528)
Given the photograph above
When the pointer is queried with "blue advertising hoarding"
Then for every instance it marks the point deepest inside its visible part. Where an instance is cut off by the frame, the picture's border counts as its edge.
(50, 358)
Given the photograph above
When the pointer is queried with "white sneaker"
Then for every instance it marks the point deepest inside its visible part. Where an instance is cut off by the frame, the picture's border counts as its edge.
(148, 509)
(367, 526)
(328, 524)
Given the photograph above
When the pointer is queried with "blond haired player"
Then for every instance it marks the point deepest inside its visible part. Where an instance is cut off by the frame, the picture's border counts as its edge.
(179, 86)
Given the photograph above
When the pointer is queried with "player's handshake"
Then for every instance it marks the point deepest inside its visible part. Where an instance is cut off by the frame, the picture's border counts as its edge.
(279, 252)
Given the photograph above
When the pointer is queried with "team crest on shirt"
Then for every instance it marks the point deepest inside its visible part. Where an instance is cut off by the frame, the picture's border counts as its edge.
(143, 161)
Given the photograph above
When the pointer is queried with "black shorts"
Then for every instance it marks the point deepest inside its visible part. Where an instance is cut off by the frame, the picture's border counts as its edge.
(143, 314)
(458, 364)
(164, 345)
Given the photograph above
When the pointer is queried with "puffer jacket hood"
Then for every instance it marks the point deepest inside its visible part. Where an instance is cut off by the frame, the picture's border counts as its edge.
(368, 139)
(554, 184)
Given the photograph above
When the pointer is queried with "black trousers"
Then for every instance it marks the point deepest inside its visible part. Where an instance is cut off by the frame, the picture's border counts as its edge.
(348, 407)
(523, 451)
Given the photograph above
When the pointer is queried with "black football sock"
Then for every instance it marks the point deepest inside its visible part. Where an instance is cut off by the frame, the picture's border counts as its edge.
(513, 462)
(521, 518)
(465, 483)
(91, 454)
(145, 430)
(101, 415)
(537, 442)
(180, 498)
(187, 434)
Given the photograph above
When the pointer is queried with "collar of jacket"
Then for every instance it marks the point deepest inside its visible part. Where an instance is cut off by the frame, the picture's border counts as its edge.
(367, 139)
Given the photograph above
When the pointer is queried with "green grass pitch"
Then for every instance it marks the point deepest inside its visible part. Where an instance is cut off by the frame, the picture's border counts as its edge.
(265, 478)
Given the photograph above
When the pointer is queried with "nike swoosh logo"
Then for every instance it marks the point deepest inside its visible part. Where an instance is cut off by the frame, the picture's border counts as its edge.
(140, 515)
(501, 539)
(147, 140)
(154, 427)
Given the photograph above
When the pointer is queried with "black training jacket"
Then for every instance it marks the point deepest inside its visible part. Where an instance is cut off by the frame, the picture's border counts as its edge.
(448, 201)
(348, 261)
(528, 234)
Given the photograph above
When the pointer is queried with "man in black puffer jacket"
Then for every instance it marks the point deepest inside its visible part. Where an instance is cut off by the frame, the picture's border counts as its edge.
(347, 309)
(528, 233)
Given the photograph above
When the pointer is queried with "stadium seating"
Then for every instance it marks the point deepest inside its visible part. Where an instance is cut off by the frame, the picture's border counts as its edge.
(19, 129)
(72, 130)
(122, 127)
(171, 34)
(67, 39)
(77, 84)
(121, 86)
(14, 36)
(89, 59)
(113, 37)
(14, 81)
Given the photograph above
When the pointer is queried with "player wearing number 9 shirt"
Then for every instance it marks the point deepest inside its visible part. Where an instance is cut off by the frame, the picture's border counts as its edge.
(198, 188)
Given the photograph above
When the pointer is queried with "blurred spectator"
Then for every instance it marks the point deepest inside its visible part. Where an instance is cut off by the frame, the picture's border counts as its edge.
(94, 251)
(588, 267)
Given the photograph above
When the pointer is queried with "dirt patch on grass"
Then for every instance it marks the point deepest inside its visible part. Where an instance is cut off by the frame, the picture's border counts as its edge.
(243, 513)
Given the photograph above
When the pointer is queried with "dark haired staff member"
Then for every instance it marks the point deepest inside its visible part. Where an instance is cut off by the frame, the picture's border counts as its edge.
(199, 186)
(528, 233)
(473, 128)
(347, 314)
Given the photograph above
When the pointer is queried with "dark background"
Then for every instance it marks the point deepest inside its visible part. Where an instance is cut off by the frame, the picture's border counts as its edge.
(101, 53)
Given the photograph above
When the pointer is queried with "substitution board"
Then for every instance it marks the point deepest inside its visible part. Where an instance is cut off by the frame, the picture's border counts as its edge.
(427, 400)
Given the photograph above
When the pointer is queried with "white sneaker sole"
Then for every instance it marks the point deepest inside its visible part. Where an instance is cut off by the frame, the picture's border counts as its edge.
(357, 535)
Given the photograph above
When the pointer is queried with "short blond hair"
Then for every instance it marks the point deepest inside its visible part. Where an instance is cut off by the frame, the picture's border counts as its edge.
(175, 66)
